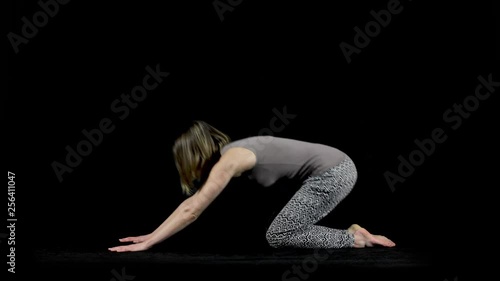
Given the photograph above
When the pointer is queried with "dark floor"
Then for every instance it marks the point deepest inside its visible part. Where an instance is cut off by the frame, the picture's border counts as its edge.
(339, 264)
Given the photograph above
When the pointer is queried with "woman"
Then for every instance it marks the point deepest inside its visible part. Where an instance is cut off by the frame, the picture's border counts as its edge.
(207, 160)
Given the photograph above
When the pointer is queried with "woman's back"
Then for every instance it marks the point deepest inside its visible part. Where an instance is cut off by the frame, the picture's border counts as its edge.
(287, 158)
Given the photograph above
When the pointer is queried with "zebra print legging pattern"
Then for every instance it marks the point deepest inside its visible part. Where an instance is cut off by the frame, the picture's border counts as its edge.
(294, 226)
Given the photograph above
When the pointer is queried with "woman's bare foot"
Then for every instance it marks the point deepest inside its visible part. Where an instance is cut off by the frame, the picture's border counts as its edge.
(363, 238)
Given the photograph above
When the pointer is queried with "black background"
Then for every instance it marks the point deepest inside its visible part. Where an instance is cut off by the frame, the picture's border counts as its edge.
(233, 73)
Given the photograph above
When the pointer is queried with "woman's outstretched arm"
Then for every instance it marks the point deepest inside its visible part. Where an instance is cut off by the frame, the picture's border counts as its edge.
(232, 163)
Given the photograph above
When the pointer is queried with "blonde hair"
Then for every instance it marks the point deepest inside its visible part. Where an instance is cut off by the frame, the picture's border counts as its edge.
(195, 152)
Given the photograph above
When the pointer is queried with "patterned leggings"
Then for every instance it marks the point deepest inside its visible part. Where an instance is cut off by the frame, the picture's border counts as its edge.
(294, 226)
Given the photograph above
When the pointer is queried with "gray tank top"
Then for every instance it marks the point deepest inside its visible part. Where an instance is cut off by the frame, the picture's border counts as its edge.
(279, 158)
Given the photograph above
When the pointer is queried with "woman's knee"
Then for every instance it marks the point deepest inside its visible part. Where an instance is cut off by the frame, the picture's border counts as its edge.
(274, 239)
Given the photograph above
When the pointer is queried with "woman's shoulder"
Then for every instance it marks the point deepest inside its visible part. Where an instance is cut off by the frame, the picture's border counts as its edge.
(252, 141)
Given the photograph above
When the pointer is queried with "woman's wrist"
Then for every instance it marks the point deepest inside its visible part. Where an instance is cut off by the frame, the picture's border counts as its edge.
(149, 243)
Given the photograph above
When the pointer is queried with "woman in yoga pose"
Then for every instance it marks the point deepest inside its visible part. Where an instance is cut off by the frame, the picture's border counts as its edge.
(207, 160)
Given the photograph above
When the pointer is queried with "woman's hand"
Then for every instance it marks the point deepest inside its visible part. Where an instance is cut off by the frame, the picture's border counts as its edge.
(140, 244)
(135, 239)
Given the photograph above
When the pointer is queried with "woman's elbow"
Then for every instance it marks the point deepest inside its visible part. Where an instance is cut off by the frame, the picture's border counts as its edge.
(190, 212)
